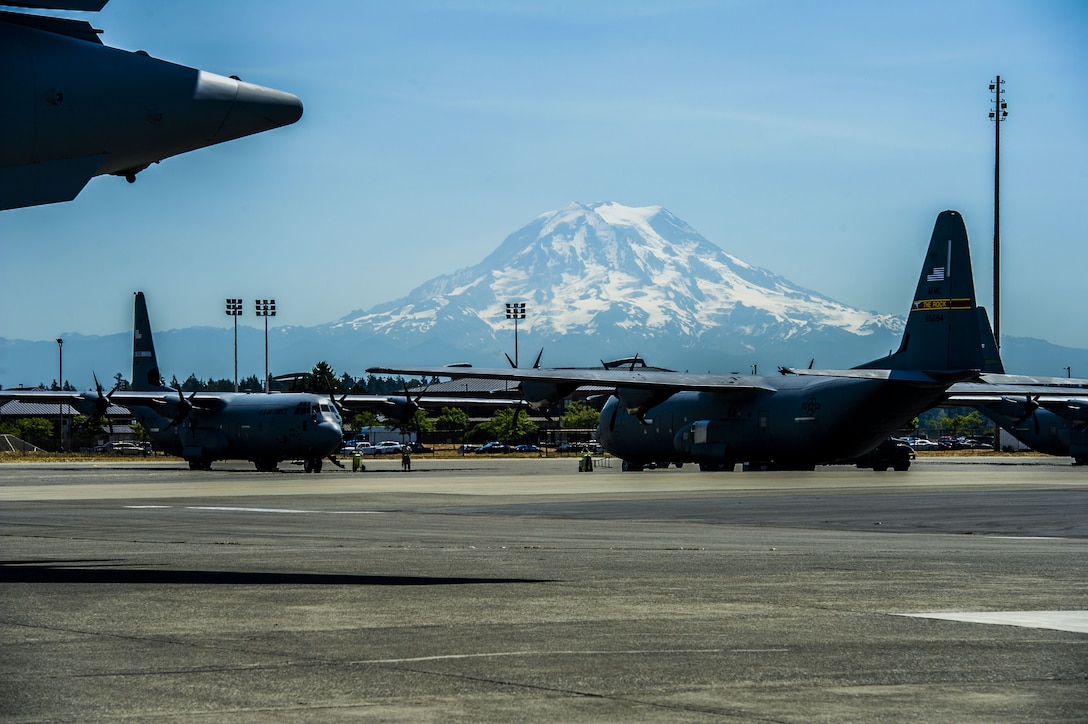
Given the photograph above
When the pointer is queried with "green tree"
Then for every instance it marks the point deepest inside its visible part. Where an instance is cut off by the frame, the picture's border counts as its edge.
(86, 431)
(579, 415)
(510, 424)
(451, 418)
(366, 418)
(138, 431)
(420, 422)
(323, 379)
(36, 431)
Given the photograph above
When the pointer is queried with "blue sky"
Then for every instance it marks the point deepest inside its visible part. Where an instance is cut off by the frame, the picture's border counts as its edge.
(817, 139)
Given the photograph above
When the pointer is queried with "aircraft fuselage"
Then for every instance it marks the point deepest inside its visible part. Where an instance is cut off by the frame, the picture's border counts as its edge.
(74, 109)
(802, 423)
(1042, 430)
(265, 429)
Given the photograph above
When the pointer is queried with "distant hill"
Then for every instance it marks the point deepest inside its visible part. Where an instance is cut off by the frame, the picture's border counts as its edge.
(599, 280)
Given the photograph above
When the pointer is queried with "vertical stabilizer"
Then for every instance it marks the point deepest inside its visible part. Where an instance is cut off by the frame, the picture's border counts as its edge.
(943, 329)
(145, 367)
(990, 352)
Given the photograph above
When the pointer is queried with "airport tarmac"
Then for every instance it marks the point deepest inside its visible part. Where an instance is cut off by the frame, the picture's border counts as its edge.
(522, 590)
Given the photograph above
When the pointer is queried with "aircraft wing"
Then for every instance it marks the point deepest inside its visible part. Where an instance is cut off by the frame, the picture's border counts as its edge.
(636, 379)
(970, 394)
(378, 402)
(638, 389)
(921, 377)
(88, 403)
(91, 402)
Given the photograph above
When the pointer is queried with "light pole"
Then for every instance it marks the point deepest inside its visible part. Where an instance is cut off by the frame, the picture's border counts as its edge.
(515, 311)
(998, 116)
(60, 382)
(266, 308)
(234, 309)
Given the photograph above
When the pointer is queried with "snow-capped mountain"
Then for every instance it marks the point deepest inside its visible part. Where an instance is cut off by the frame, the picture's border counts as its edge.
(600, 281)
(607, 280)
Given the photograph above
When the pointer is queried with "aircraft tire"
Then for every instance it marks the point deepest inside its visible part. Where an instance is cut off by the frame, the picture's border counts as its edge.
(715, 467)
(631, 467)
(200, 465)
(266, 465)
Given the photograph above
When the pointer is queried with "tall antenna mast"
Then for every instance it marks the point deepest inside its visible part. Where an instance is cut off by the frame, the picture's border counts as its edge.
(997, 115)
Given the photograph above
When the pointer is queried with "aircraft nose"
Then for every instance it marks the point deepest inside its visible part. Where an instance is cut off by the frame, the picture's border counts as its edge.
(332, 436)
(253, 108)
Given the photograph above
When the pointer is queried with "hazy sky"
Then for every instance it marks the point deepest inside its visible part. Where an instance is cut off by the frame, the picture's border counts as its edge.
(816, 139)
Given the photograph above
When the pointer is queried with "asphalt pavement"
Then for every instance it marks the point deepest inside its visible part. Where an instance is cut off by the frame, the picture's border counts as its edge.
(522, 590)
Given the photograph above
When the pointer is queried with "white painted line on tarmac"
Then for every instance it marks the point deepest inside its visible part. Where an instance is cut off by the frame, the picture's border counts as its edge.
(229, 509)
(522, 654)
(1075, 621)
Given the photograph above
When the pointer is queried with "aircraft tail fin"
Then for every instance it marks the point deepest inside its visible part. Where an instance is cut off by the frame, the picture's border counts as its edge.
(990, 352)
(944, 328)
(145, 366)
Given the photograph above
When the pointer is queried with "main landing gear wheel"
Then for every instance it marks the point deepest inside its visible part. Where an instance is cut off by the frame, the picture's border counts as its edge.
(312, 465)
(716, 467)
(266, 465)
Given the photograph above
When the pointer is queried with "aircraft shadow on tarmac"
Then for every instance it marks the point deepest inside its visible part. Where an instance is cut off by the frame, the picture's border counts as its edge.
(89, 572)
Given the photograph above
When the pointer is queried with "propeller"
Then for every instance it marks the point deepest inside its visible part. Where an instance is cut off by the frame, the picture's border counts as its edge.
(1031, 405)
(102, 403)
(185, 406)
(536, 364)
(406, 413)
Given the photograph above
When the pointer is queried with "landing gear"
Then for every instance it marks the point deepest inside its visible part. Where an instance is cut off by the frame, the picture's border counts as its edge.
(200, 464)
(312, 465)
(630, 466)
(716, 467)
(266, 465)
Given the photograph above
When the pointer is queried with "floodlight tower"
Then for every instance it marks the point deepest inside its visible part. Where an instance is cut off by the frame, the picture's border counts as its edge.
(515, 311)
(266, 308)
(60, 381)
(234, 309)
(997, 115)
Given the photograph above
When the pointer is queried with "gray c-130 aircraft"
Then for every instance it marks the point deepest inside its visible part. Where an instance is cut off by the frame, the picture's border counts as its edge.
(798, 419)
(74, 108)
(203, 427)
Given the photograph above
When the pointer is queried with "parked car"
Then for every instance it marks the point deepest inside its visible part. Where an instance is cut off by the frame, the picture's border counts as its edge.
(359, 448)
(123, 447)
(389, 447)
(466, 449)
(526, 449)
(417, 447)
(493, 447)
(572, 447)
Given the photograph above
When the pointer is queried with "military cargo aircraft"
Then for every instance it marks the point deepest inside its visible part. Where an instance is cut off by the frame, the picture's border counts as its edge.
(203, 427)
(206, 426)
(1048, 414)
(798, 419)
(74, 108)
